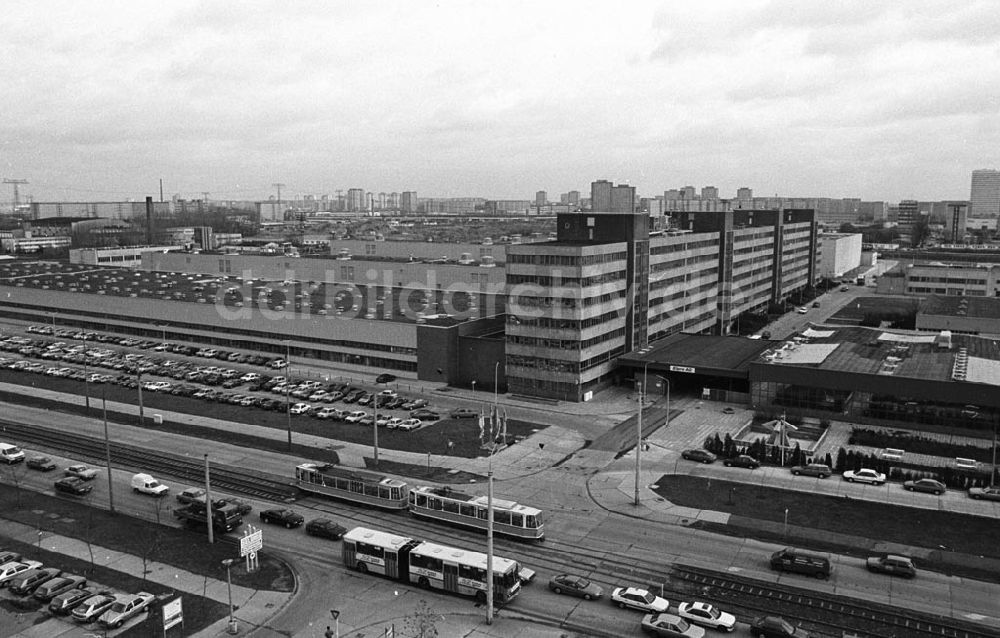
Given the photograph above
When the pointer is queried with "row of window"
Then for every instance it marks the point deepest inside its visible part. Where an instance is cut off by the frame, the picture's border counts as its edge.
(566, 260)
(693, 245)
(565, 344)
(565, 324)
(548, 281)
(950, 280)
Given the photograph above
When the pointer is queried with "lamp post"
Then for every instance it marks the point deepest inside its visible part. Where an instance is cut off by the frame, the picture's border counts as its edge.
(667, 381)
(638, 433)
(107, 452)
(233, 627)
(375, 400)
(489, 497)
(86, 374)
(208, 505)
(138, 378)
(288, 379)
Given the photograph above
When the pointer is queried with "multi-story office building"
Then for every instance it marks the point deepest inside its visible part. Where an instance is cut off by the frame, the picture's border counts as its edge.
(985, 195)
(607, 286)
(968, 279)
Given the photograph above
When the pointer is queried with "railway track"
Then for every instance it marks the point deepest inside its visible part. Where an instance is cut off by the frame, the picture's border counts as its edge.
(228, 478)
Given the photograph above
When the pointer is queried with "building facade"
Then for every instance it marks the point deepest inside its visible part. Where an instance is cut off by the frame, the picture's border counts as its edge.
(839, 253)
(985, 194)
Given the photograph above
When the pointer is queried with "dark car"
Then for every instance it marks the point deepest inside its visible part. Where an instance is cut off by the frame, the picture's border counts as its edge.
(66, 601)
(385, 378)
(413, 404)
(462, 413)
(42, 463)
(52, 588)
(928, 485)
(776, 627)
(988, 493)
(699, 455)
(575, 586)
(242, 507)
(325, 528)
(425, 415)
(73, 485)
(743, 460)
(288, 518)
(29, 580)
(892, 564)
(820, 470)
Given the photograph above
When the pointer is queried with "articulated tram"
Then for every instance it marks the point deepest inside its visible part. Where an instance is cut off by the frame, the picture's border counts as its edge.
(359, 486)
(445, 504)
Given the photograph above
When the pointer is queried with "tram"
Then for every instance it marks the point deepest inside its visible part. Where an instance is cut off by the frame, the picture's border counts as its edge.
(349, 484)
(445, 504)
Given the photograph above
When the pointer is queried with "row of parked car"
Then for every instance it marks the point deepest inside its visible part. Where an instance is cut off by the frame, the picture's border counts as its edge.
(864, 475)
(158, 346)
(69, 595)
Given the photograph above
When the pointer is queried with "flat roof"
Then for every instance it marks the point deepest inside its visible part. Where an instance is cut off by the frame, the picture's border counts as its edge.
(899, 354)
(707, 354)
(956, 306)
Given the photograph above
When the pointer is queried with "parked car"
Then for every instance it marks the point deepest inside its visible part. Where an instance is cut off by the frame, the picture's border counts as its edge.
(640, 599)
(125, 608)
(413, 404)
(463, 413)
(356, 416)
(821, 470)
(63, 603)
(425, 415)
(776, 627)
(892, 564)
(409, 424)
(706, 615)
(52, 588)
(575, 586)
(670, 626)
(985, 493)
(742, 460)
(92, 608)
(73, 485)
(285, 517)
(14, 568)
(928, 485)
(43, 463)
(81, 472)
(26, 583)
(325, 528)
(385, 378)
(864, 475)
(300, 408)
(699, 455)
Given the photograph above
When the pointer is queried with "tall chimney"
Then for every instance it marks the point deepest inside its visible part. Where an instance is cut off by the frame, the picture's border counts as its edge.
(149, 221)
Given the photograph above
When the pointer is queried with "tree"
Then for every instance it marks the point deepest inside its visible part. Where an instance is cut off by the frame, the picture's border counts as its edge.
(841, 460)
(421, 623)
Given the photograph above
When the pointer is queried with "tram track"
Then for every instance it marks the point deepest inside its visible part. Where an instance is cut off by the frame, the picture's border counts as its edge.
(747, 597)
(225, 477)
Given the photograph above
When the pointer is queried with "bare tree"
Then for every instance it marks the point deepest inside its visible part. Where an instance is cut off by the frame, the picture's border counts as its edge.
(421, 623)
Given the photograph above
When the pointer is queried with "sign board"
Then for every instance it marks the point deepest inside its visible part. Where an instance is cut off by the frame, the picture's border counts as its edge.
(173, 613)
(251, 543)
(684, 369)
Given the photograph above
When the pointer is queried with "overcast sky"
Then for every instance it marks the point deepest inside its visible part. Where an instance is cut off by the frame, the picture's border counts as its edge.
(878, 100)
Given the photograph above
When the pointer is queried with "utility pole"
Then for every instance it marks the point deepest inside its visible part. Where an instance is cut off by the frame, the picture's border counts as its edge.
(14, 183)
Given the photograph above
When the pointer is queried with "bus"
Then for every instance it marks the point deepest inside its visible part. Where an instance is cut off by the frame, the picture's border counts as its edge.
(429, 565)
(445, 504)
(359, 486)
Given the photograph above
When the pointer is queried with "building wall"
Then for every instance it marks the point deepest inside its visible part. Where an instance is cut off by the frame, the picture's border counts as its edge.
(958, 324)
(110, 210)
(985, 194)
(129, 257)
(974, 280)
(839, 254)
(359, 248)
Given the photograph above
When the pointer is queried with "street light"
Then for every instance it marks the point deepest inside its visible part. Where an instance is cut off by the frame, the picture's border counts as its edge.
(288, 379)
(233, 627)
(86, 374)
(638, 435)
(489, 496)
(107, 451)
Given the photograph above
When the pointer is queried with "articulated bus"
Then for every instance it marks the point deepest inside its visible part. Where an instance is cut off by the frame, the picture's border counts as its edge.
(429, 565)
(360, 486)
(445, 504)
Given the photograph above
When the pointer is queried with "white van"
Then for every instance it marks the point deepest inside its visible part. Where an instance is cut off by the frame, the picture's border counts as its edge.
(11, 453)
(146, 484)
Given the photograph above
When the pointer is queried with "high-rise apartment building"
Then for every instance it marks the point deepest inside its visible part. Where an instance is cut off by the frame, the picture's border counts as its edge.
(607, 198)
(408, 202)
(743, 193)
(985, 196)
(355, 199)
(541, 199)
(709, 192)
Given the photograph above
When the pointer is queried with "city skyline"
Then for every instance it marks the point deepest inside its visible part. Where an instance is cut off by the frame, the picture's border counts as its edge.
(878, 102)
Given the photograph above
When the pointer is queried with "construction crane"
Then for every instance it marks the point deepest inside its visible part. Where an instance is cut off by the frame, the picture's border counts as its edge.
(15, 182)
